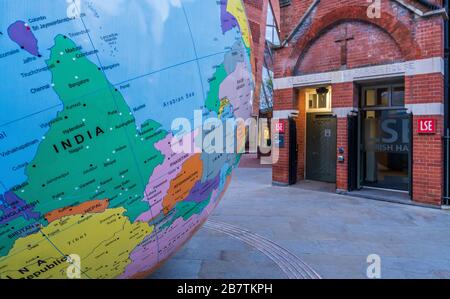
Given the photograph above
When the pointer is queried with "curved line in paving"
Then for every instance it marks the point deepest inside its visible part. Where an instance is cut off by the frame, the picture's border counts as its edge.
(289, 263)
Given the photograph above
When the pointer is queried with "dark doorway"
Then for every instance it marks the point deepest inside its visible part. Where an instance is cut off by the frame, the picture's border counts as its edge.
(321, 142)
(385, 139)
(293, 151)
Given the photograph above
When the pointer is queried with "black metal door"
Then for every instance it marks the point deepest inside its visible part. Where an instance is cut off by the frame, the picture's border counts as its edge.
(353, 148)
(293, 151)
(410, 158)
(321, 144)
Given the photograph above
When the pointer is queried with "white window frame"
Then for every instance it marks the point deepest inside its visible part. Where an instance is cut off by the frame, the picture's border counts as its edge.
(312, 92)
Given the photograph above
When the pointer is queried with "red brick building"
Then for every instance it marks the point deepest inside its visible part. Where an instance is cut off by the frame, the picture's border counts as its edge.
(257, 11)
(362, 85)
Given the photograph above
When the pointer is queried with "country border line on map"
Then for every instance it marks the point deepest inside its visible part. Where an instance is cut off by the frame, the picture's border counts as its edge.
(62, 254)
(88, 195)
(194, 46)
(114, 85)
(45, 238)
(144, 196)
(30, 264)
(143, 181)
(162, 175)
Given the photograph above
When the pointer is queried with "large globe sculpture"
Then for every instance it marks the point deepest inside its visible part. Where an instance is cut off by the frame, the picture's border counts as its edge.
(91, 182)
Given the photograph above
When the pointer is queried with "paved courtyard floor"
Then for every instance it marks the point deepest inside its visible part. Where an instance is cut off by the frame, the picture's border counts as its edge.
(263, 231)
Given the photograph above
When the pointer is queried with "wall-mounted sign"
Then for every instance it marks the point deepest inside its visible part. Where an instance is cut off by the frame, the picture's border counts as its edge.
(426, 126)
(280, 128)
(279, 140)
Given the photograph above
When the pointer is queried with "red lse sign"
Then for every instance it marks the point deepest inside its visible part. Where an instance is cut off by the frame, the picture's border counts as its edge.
(426, 126)
(280, 128)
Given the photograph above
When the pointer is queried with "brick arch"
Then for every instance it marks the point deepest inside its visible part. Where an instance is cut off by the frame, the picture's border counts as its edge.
(398, 31)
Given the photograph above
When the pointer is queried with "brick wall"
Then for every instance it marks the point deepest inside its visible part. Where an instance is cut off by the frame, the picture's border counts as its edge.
(344, 95)
(370, 46)
(301, 134)
(286, 100)
(280, 169)
(415, 37)
(256, 11)
(257, 15)
(428, 164)
(428, 156)
(424, 88)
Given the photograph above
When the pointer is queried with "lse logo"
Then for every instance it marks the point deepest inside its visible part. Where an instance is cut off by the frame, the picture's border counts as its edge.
(280, 128)
(426, 126)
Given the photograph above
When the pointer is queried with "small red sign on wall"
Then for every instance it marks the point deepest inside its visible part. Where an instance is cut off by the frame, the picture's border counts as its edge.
(280, 128)
(426, 126)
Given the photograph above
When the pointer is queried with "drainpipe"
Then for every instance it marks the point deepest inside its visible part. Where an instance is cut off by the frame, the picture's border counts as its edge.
(446, 197)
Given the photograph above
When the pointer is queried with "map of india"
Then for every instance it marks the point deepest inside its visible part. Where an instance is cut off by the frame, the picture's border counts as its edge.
(91, 181)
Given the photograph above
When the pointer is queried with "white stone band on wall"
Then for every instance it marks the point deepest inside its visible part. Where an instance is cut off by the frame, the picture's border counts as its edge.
(426, 109)
(284, 114)
(408, 68)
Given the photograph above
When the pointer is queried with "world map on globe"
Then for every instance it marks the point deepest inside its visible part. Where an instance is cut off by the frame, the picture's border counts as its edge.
(89, 91)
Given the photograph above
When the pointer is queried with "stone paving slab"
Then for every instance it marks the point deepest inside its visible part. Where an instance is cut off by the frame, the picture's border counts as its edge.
(332, 233)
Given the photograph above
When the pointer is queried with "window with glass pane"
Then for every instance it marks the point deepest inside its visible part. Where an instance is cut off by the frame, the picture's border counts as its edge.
(266, 95)
(371, 97)
(382, 97)
(398, 96)
(318, 101)
(313, 101)
(377, 97)
(322, 101)
(271, 28)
